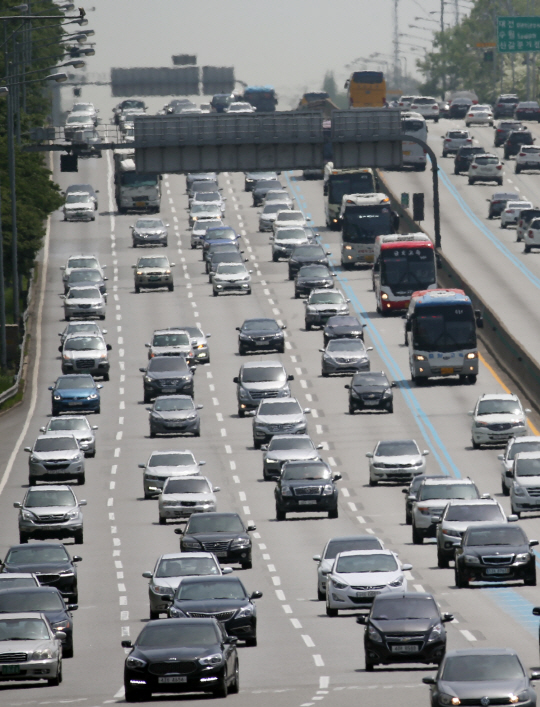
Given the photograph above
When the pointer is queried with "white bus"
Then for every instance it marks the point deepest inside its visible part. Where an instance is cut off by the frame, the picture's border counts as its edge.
(414, 155)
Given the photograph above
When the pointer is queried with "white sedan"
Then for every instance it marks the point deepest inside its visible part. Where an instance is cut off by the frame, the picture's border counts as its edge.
(479, 114)
(240, 107)
(358, 576)
(289, 219)
(511, 213)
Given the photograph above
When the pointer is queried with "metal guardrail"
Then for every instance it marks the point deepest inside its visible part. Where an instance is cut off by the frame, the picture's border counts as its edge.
(10, 392)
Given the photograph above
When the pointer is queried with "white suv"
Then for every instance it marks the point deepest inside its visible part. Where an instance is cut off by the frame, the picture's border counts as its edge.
(486, 168)
(527, 158)
(531, 239)
(427, 106)
(496, 418)
(516, 445)
(431, 500)
(454, 139)
(481, 115)
(525, 491)
(510, 215)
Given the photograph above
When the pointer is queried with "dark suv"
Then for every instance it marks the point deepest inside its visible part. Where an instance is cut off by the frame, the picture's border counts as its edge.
(404, 627)
(370, 390)
(309, 254)
(261, 189)
(306, 487)
(465, 156)
(515, 140)
(503, 130)
(505, 105)
(167, 375)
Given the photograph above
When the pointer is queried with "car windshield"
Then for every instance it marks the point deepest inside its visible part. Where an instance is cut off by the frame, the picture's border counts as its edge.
(457, 134)
(23, 630)
(291, 216)
(30, 601)
(234, 269)
(9, 582)
(172, 459)
(481, 537)
(518, 447)
(527, 467)
(186, 635)
(409, 608)
(334, 547)
(78, 199)
(75, 382)
(155, 262)
(309, 470)
(260, 325)
(170, 404)
(170, 340)
(344, 322)
(475, 513)
(499, 407)
(477, 668)
(366, 563)
(309, 251)
(187, 485)
(309, 271)
(222, 232)
(55, 444)
(370, 380)
(79, 119)
(83, 293)
(85, 343)
(205, 208)
(36, 554)
(205, 591)
(186, 567)
(208, 196)
(149, 223)
(285, 443)
(280, 408)
(86, 275)
(326, 298)
(277, 195)
(214, 523)
(163, 364)
(202, 225)
(45, 497)
(397, 448)
(261, 374)
(68, 423)
(424, 101)
(433, 491)
(355, 345)
(81, 327)
(267, 184)
(292, 233)
(273, 209)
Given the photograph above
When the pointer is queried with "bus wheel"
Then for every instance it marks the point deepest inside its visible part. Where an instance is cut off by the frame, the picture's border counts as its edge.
(472, 379)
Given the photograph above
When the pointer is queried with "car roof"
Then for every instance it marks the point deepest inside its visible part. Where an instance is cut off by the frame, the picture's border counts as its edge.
(473, 502)
(262, 364)
(41, 544)
(216, 515)
(173, 397)
(393, 596)
(325, 290)
(27, 615)
(181, 555)
(29, 590)
(480, 651)
(291, 436)
(171, 330)
(341, 538)
(55, 433)
(17, 575)
(498, 396)
(222, 578)
(434, 481)
(525, 438)
(50, 487)
(172, 451)
(379, 551)
(289, 399)
(259, 319)
(504, 195)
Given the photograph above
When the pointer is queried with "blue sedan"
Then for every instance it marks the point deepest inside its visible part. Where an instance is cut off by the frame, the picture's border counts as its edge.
(75, 392)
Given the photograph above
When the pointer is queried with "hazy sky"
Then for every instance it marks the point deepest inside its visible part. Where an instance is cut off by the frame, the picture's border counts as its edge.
(287, 43)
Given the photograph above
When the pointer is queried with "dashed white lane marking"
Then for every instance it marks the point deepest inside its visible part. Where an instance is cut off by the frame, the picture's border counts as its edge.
(223, 432)
(467, 634)
(215, 401)
(324, 445)
(232, 465)
(352, 506)
(319, 429)
(344, 491)
(319, 662)
(296, 623)
(287, 609)
(275, 310)
(420, 588)
(308, 641)
(219, 416)
(228, 449)
(247, 510)
(309, 397)
(266, 556)
(280, 594)
(242, 495)
(276, 581)
(408, 575)
(303, 384)
(236, 479)
(324, 682)
(370, 531)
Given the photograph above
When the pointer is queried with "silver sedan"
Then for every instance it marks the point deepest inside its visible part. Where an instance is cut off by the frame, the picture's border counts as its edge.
(149, 231)
(84, 302)
(79, 427)
(175, 414)
(345, 356)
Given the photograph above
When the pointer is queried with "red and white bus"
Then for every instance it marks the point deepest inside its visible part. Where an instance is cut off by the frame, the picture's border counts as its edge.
(403, 264)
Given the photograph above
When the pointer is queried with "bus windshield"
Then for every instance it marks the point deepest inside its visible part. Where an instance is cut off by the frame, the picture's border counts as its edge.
(444, 328)
(362, 224)
(351, 183)
(410, 268)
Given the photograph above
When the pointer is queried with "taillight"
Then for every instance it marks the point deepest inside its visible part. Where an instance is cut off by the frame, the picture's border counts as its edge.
(474, 166)
(499, 130)
(521, 154)
(530, 234)
(468, 140)
(499, 166)
(471, 115)
(435, 107)
(448, 139)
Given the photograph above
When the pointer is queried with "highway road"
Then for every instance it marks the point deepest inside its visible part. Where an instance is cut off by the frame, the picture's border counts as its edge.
(482, 251)
(303, 657)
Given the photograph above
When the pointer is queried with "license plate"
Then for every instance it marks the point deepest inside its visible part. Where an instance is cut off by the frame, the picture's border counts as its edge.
(405, 649)
(11, 669)
(366, 595)
(406, 152)
(140, 203)
(168, 389)
(154, 278)
(371, 402)
(368, 258)
(307, 503)
(498, 570)
(447, 371)
(221, 553)
(173, 679)
(74, 403)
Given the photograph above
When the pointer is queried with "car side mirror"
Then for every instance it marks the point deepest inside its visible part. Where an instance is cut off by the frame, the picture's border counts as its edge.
(256, 594)
(527, 410)
(290, 377)
(236, 380)
(109, 347)
(148, 345)
(445, 618)
(251, 526)
(60, 348)
(83, 502)
(425, 453)
(148, 409)
(147, 575)
(429, 680)
(199, 407)
(307, 411)
(42, 429)
(264, 447)
(72, 607)
(336, 477)
(127, 644)
(230, 640)
(369, 455)
(361, 620)
(28, 449)
(512, 518)
(237, 329)
(317, 558)
(347, 386)
(60, 635)
(141, 466)
(535, 675)
(406, 568)
(319, 446)
(76, 558)
(202, 463)
(500, 457)
(533, 543)
(178, 531)
(404, 490)
(142, 370)
(17, 504)
(393, 384)
(321, 350)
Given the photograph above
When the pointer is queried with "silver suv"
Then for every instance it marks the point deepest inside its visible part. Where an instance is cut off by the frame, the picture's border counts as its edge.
(322, 304)
(79, 427)
(152, 272)
(258, 380)
(50, 512)
(163, 465)
(515, 446)
(525, 491)
(287, 448)
(283, 416)
(460, 515)
(55, 456)
(398, 460)
(86, 353)
(170, 342)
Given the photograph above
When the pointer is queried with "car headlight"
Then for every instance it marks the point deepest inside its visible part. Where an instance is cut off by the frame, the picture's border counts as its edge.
(147, 379)
(67, 573)
(176, 613)
(212, 660)
(191, 417)
(139, 272)
(92, 396)
(472, 560)
(286, 491)
(523, 557)
(419, 357)
(61, 625)
(57, 397)
(43, 654)
(397, 582)
(240, 542)
(243, 394)
(327, 490)
(191, 544)
(161, 590)
(136, 663)
(445, 699)
(481, 424)
(73, 514)
(387, 393)
(519, 490)
(374, 635)
(245, 612)
(337, 584)
(452, 533)
(27, 515)
(435, 633)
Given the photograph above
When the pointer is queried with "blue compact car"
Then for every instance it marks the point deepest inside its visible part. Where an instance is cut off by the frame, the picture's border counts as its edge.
(75, 392)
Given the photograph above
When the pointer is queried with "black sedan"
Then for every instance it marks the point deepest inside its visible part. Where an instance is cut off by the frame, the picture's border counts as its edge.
(310, 277)
(482, 676)
(495, 553)
(464, 157)
(343, 327)
(260, 335)
(181, 655)
(251, 178)
(404, 627)
(46, 600)
(50, 562)
(261, 189)
(309, 254)
(222, 598)
(224, 534)
(372, 391)
(306, 487)
(167, 375)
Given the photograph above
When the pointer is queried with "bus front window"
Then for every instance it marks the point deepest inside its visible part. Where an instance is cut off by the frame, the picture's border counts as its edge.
(444, 329)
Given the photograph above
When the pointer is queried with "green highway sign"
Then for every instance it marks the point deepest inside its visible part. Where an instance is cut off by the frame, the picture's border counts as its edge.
(518, 34)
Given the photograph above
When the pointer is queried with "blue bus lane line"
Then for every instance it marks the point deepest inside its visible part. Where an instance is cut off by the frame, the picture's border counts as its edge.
(506, 598)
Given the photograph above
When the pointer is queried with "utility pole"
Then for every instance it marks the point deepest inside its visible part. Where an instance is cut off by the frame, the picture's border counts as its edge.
(397, 65)
(443, 50)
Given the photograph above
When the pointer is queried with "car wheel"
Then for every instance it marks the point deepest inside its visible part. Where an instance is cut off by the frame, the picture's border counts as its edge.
(275, 257)
(147, 398)
(324, 374)
(500, 182)
(23, 538)
(154, 615)
(106, 377)
(442, 561)
(503, 224)
(79, 537)
(134, 244)
(223, 689)
(308, 327)
(247, 565)
(527, 249)
(369, 666)
(147, 496)
(516, 513)
(136, 695)
(280, 515)
(373, 482)
(257, 443)
(31, 481)
(445, 154)
(241, 350)
(68, 651)
(417, 538)
(197, 433)
(331, 612)
(162, 520)
(471, 181)
(291, 276)
(171, 288)
(296, 294)
(152, 433)
(351, 409)
(241, 413)
(517, 170)
(531, 581)
(460, 582)
(334, 513)
(54, 682)
(137, 289)
(390, 408)
(505, 490)
(475, 445)
(408, 519)
(456, 171)
(235, 687)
